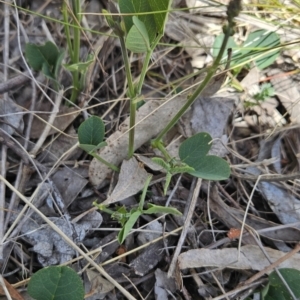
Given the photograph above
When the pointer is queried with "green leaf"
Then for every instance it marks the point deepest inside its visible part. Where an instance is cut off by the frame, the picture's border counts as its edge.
(58, 63)
(56, 283)
(257, 42)
(134, 8)
(37, 56)
(277, 290)
(91, 131)
(127, 7)
(193, 152)
(128, 226)
(82, 67)
(230, 44)
(194, 148)
(161, 162)
(109, 19)
(167, 183)
(260, 41)
(160, 18)
(211, 167)
(137, 39)
(181, 169)
(47, 71)
(156, 209)
(91, 148)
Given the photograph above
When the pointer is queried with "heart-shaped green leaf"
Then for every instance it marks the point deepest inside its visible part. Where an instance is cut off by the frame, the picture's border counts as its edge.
(56, 283)
(276, 289)
(39, 55)
(193, 151)
(152, 13)
(211, 167)
(137, 39)
(91, 148)
(91, 131)
(194, 148)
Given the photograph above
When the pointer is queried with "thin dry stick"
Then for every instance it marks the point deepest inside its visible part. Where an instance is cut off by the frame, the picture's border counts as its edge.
(219, 285)
(276, 269)
(19, 29)
(4, 148)
(273, 265)
(185, 228)
(2, 197)
(133, 285)
(24, 170)
(69, 241)
(246, 213)
(3, 285)
(14, 82)
(238, 289)
(47, 129)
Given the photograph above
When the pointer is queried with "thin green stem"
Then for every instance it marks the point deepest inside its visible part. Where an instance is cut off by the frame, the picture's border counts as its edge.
(143, 196)
(76, 47)
(205, 82)
(136, 92)
(146, 64)
(67, 29)
(103, 208)
(113, 167)
(163, 150)
(131, 95)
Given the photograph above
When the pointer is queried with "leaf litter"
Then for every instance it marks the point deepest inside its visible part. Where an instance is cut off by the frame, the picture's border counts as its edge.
(239, 135)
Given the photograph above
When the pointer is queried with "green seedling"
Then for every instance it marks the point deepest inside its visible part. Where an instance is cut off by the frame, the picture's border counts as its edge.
(139, 28)
(127, 219)
(266, 91)
(72, 16)
(172, 167)
(46, 58)
(194, 160)
(90, 136)
(54, 283)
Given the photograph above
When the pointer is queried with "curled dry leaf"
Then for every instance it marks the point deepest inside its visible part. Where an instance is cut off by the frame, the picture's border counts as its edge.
(64, 118)
(98, 285)
(251, 258)
(131, 180)
(15, 295)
